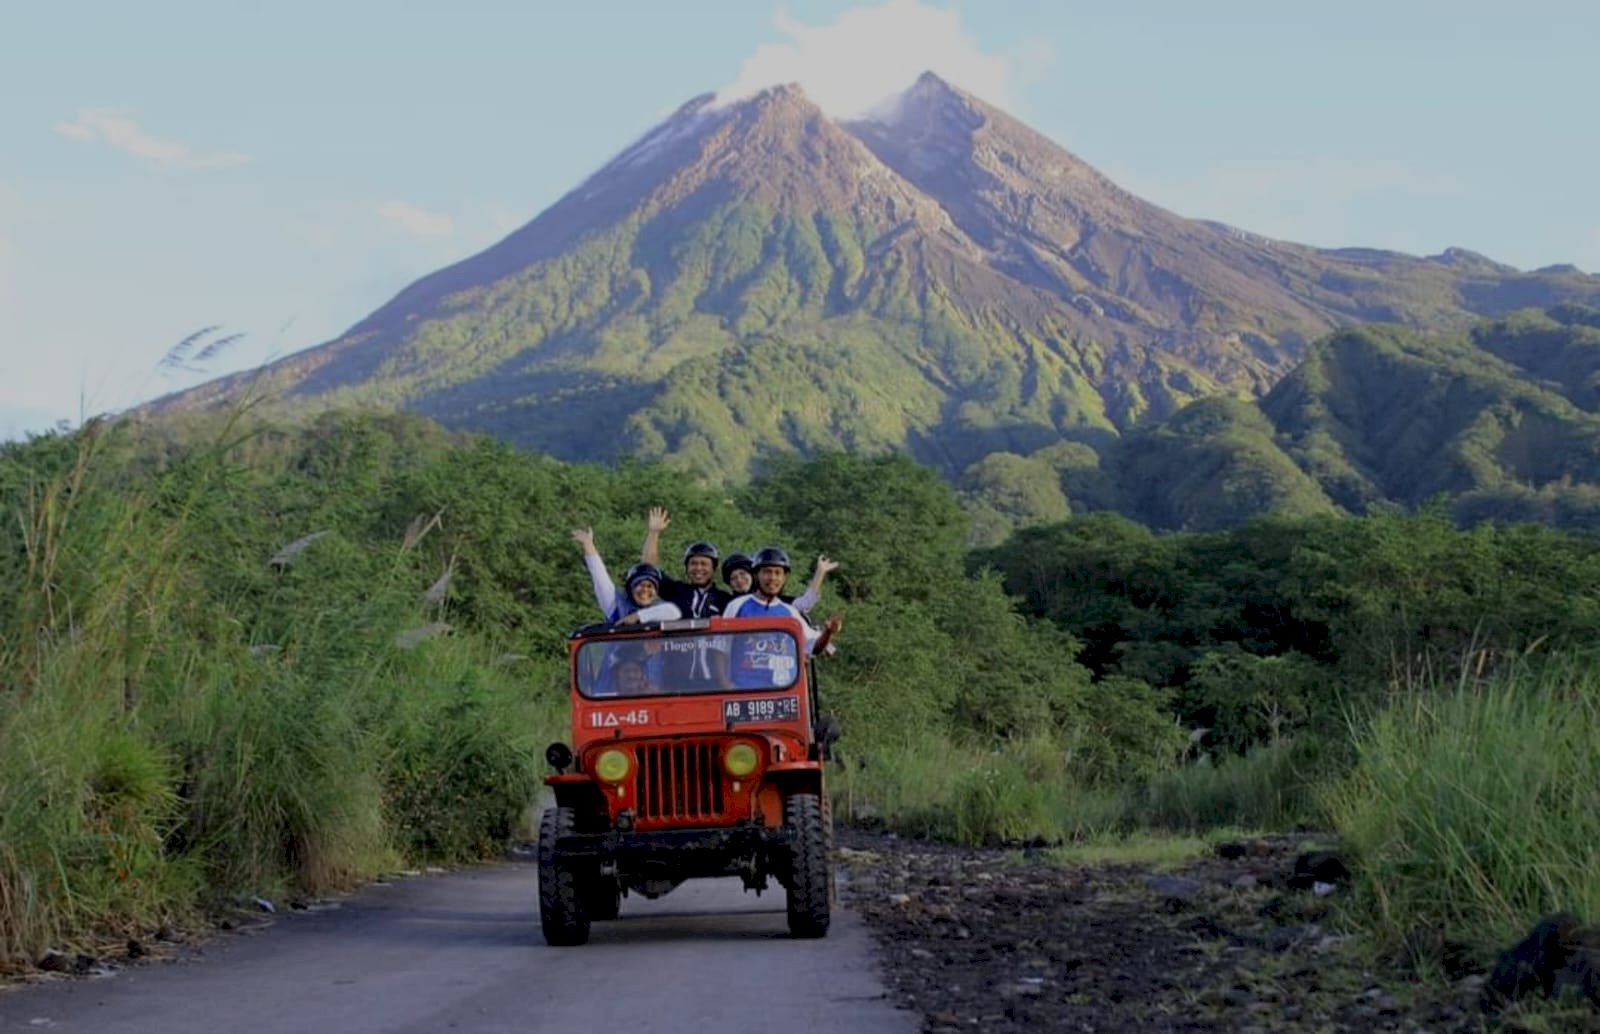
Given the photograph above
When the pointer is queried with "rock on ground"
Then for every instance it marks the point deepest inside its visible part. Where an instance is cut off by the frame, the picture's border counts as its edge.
(1002, 941)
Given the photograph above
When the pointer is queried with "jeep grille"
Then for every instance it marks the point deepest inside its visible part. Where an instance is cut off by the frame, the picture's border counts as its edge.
(679, 781)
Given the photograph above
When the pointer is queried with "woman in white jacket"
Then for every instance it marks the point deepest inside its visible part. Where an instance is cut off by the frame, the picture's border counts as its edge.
(642, 601)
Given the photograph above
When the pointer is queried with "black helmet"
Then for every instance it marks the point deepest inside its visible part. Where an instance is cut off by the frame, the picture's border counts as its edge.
(736, 562)
(770, 556)
(642, 573)
(701, 549)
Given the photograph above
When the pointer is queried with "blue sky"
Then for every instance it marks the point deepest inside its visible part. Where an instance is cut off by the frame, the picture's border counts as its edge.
(281, 169)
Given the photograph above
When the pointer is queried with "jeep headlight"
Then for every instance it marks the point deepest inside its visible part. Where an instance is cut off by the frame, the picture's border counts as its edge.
(612, 765)
(740, 760)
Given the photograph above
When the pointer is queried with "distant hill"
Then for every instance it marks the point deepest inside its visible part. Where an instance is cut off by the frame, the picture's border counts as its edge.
(1504, 419)
(754, 277)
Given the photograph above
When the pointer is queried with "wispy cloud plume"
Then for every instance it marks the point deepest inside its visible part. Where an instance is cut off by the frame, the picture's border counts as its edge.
(106, 126)
(868, 54)
(418, 222)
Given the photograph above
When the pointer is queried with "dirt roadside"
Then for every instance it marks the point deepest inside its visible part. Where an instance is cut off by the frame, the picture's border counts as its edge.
(1000, 941)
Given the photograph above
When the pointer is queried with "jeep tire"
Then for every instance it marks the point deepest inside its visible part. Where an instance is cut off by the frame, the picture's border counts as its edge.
(810, 885)
(561, 906)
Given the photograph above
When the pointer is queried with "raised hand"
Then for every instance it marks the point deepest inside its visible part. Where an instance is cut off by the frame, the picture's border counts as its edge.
(585, 538)
(826, 566)
(659, 519)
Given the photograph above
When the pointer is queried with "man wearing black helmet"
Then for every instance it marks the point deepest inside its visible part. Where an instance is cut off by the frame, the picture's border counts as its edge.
(772, 568)
(699, 661)
(739, 576)
(698, 596)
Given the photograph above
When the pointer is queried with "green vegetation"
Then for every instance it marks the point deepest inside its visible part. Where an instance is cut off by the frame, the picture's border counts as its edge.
(211, 690)
(1472, 808)
(246, 660)
(1146, 577)
(1502, 419)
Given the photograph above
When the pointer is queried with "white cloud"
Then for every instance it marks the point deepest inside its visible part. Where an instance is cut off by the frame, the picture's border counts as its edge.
(868, 54)
(418, 222)
(103, 125)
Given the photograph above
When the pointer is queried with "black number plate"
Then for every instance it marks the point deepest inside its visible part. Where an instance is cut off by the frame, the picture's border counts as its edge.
(761, 709)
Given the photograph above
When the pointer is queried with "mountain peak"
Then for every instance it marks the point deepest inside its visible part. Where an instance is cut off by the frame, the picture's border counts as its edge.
(925, 97)
(781, 93)
(929, 84)
(782, 105)
(777, 96)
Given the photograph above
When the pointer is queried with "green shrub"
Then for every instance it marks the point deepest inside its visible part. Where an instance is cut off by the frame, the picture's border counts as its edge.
(1473, 811)
(85, 808)
(933, 787)
(1272, 787)
(466, 753)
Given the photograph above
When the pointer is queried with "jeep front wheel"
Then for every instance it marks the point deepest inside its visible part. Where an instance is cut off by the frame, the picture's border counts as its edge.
(810, 865)
(561, 911)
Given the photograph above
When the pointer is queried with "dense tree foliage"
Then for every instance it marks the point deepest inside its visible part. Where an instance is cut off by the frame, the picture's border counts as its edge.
(1283, 624)
(268, 658)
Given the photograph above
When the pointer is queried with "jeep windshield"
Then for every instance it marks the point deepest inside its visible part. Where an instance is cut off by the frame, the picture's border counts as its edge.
(688, 663)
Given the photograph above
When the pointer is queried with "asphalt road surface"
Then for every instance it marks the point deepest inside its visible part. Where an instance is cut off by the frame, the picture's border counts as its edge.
(462, 952)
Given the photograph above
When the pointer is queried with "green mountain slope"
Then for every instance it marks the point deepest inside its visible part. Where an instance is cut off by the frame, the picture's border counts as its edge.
(754, 278)
(1502, 418)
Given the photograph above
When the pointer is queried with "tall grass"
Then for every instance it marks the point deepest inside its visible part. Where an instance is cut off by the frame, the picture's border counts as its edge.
(928, 785)
(1473, 809)
(1274, 786)
(1029, 789)
(184, 724)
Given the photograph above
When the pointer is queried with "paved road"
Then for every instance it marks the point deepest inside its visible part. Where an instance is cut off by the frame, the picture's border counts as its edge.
(461, 952)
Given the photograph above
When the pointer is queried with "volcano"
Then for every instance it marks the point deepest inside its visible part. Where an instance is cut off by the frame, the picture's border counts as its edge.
(936, 277)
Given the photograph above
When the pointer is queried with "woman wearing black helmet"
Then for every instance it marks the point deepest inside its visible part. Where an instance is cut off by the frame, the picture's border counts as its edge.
(643, 584)
(737, 574)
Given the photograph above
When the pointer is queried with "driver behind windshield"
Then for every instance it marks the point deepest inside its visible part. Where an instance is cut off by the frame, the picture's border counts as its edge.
(628, 673)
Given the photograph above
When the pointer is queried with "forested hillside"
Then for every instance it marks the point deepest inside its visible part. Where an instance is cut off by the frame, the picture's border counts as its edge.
(1503, 420)
(245, 659)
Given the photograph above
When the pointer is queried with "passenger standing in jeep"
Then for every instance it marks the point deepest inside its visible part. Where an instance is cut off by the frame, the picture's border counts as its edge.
(754, 667)
(698, 596)
(642, 583)
(703, 661)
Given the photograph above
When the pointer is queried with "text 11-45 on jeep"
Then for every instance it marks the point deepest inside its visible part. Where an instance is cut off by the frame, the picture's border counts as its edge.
(697, 751)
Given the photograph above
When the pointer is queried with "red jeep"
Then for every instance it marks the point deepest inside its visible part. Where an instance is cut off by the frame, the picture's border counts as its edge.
(697, 751)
